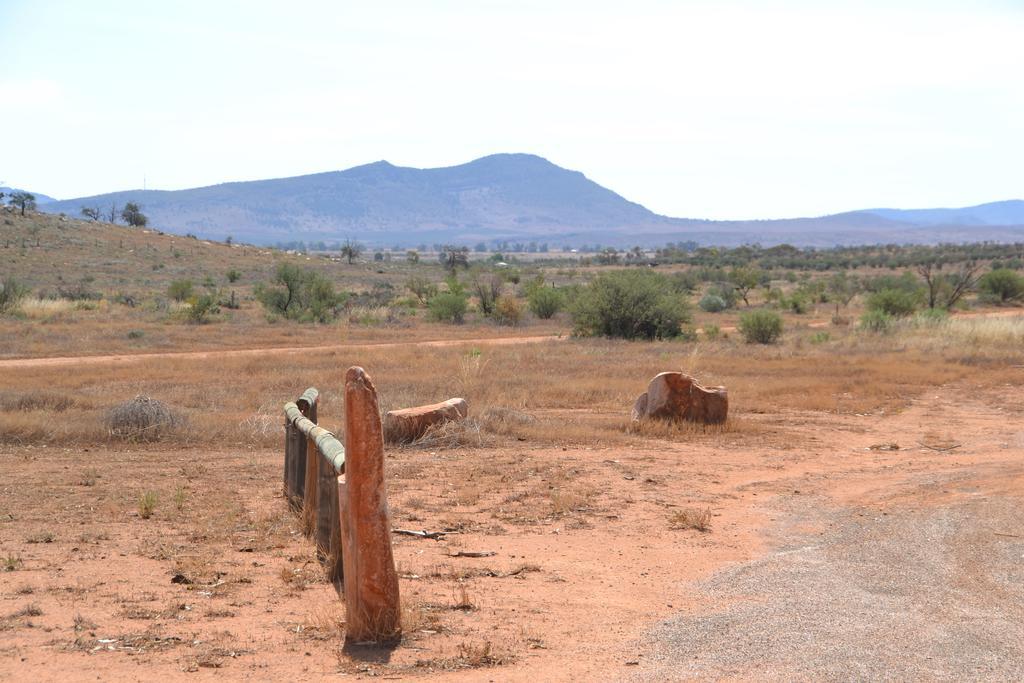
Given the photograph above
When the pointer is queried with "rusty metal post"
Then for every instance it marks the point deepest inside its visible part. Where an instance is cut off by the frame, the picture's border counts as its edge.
(371, 582)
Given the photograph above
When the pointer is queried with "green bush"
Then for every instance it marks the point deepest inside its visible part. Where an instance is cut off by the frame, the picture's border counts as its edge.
(712, 303)
(1002, 285)
(797, 302)
(447, 307)
(233, 276)
(726, 292)
(712, 332)
(201, 308)
(630, 304)
(11, 294)
(876, 321)
(761, 326)
(180, 290)
(898, 303)
(300, 294)
(544, 302)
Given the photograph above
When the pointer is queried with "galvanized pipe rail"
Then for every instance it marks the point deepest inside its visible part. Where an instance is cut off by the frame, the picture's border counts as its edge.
(342, 500)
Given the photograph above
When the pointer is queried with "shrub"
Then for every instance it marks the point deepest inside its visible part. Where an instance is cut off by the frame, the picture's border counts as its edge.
(1002, 285)
(712, 332)
(508, 311)
(200, 308)
(876, 321)
(422, 288)
(180, 290)
(725, 291)
(233, 276)
(712, 303)
(142, 419)
(630, 304)
(898, 303)
(11, 294)
(300, 294)
(447, 307)
(544, 302)
(761, 326)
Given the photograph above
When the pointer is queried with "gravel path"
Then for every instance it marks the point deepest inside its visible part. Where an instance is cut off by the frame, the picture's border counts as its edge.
(934, 593)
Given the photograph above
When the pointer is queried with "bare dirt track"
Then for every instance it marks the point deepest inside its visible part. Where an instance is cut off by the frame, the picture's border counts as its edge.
(57, 361)
(823, 556)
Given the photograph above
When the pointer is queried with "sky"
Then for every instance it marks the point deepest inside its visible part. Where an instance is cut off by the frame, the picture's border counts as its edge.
(726, 109)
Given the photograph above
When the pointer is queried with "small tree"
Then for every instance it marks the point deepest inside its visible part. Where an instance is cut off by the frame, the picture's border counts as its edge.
(452, 257)
(113, 213)
(23, 200)
(180, 290)
(422, 288)
(93, 213)
(351, 250)
(842, 288)
(133, 216)
(744, 280)
(300, 294)
(487, 287)
(944, 290)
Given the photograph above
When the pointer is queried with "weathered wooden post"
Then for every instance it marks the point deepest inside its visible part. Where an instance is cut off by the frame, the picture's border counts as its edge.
(371, 582)
(329, 458)
(308, 404)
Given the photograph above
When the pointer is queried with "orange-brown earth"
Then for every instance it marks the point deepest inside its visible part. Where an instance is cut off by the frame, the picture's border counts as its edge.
(587, 560)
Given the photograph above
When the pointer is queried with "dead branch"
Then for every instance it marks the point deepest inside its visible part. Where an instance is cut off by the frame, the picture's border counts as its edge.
(435, 535)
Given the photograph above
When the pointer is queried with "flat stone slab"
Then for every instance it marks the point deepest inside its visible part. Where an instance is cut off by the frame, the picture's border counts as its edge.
(408, 424)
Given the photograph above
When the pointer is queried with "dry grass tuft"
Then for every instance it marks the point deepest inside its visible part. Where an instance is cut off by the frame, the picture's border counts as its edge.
(456, 434)
(142, 419)
(476, 655)
(462, 601)
(691, 518)
(147, 504)
(418, 617)
(36, 400)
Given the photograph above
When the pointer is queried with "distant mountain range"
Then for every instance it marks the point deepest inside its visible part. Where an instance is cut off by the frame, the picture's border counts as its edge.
(515, 197)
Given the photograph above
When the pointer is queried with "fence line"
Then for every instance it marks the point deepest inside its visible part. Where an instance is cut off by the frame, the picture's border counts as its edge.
(341, 497)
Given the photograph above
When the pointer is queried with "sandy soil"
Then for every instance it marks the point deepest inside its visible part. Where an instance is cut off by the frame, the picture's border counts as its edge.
(589, 581)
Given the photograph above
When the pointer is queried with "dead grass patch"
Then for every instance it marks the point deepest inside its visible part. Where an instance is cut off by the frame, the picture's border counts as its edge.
(691, 518)
(142, 419)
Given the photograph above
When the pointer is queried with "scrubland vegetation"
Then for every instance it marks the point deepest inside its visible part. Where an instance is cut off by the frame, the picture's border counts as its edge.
(174, 460)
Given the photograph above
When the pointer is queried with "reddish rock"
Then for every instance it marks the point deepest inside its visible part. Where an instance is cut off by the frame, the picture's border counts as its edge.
(409, 424)
(675, 396)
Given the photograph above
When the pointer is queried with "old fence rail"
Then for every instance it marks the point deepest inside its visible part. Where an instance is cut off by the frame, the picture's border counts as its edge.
(340, 494)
